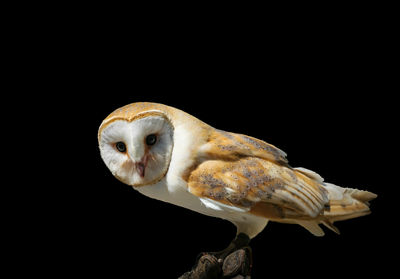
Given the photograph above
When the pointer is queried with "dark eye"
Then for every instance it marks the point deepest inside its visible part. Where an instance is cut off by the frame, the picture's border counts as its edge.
(120, 146)
(151, 139)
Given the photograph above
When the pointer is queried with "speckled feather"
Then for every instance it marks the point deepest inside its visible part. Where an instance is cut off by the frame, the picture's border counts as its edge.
(211, 167)
(246, 172)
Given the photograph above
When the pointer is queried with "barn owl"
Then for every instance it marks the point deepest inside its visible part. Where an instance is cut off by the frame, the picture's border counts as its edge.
(169, 155)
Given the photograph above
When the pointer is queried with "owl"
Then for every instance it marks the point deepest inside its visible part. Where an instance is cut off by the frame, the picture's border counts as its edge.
(169, 155)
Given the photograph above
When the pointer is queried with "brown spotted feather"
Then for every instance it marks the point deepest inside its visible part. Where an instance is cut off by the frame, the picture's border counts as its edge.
(246, 172)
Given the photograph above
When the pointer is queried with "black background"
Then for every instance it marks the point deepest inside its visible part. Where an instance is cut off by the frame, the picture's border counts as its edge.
(321, 93)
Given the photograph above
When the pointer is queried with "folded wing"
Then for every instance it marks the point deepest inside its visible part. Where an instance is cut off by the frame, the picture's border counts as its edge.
(241, 171)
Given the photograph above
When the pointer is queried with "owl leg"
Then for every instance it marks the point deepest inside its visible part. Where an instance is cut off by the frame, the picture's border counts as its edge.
(234, 261)
(239, 242)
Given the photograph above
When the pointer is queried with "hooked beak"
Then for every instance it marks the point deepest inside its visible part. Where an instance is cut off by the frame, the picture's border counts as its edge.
(141, 166)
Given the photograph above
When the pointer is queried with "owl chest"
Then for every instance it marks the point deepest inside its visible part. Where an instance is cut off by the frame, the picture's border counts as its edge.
(178, 194)
(246, 223)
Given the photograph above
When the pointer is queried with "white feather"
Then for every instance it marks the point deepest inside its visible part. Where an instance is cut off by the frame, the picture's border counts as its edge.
(208, 203)
(245, 222)
(181, 158)
(221, 206)
(334, 192)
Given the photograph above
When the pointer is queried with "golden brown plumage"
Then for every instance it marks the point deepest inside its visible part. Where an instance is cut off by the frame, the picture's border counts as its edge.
(228, 175)
(246, 172)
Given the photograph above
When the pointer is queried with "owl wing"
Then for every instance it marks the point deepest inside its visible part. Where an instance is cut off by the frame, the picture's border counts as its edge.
(248, 174)
(232, 146)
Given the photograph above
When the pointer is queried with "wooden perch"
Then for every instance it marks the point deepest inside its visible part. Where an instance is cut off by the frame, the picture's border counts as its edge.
(234, 262)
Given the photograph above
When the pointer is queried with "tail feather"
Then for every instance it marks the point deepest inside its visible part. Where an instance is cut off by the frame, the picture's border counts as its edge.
(312, 227)
(330, 226)
(361, 195)
(346, 203)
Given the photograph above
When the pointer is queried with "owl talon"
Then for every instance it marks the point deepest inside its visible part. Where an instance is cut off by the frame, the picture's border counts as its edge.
(239, 242)
(233, 262)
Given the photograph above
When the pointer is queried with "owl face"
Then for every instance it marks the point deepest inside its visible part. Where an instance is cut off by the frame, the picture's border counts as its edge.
(138, 151)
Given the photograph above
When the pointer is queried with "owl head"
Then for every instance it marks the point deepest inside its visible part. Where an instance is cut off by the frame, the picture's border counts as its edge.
(136, 143)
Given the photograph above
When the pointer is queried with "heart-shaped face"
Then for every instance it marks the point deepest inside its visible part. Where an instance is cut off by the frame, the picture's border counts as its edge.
(137, 150)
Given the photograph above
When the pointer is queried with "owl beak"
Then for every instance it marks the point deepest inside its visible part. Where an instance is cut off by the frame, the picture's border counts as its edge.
(141, 168)
(139, 164)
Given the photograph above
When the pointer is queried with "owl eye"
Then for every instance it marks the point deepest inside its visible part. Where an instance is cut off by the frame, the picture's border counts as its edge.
(151, 139)
(120, 146)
